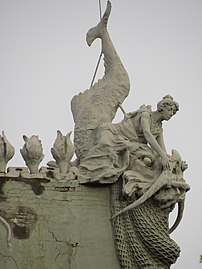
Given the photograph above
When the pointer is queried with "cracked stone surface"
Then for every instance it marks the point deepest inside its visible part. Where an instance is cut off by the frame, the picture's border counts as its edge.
(72, 230)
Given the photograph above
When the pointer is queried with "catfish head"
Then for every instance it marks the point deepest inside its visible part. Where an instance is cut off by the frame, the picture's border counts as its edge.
(147, 179)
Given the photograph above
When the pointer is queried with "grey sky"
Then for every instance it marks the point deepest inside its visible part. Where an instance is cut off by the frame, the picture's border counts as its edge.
(45, 61)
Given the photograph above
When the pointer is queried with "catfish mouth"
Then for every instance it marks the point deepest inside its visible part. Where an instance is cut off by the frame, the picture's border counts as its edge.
(166, 179)
(169, 195)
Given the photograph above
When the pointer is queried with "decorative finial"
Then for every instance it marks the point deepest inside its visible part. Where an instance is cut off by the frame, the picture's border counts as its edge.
(6, 152)
(63, 151)
(32, 153)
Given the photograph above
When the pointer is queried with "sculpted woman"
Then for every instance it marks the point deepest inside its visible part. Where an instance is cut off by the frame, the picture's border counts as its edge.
(114, 142)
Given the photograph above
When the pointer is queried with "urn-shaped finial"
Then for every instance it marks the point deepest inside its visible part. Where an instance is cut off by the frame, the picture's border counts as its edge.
(6, 152)
(32, 153)
(63, 151)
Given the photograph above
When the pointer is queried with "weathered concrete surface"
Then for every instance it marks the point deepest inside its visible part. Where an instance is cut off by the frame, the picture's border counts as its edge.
(64, 227)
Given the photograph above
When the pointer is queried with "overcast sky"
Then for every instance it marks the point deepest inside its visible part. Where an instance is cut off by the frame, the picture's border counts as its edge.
(45, 61)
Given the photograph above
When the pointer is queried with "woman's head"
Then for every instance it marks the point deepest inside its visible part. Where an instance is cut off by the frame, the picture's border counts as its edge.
(168, 107)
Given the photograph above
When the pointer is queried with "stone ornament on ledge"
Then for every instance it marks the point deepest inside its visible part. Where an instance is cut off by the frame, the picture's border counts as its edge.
(63, 151)
(32, 153)
(7, 152)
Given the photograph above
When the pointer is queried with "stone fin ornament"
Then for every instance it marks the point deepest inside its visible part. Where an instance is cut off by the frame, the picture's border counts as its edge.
(32, 153)
(7, 152)
(63, 151)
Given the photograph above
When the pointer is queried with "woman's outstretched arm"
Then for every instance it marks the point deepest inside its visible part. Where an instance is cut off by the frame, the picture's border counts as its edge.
(160, 141)
(151, 140)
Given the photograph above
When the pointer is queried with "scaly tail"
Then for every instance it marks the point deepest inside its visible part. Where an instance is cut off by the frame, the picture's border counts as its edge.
(99, 104)
(112, 61)
(97, 31)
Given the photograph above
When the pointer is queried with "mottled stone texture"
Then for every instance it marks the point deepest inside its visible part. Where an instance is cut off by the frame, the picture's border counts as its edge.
(67, 226)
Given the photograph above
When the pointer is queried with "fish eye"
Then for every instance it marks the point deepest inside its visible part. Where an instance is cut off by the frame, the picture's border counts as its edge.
(147, 161)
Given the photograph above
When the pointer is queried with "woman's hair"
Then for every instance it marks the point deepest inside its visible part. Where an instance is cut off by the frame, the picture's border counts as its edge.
(167, 101)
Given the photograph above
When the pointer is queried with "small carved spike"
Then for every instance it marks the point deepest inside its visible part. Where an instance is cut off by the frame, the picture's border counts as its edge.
(7, 152)
(32, 153)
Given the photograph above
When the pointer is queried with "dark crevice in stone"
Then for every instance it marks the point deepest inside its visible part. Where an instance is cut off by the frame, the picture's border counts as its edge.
(2, 197)
(20, 232)
(22, 221)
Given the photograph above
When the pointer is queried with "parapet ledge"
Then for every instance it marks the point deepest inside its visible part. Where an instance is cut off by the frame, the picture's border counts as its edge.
(46, 175)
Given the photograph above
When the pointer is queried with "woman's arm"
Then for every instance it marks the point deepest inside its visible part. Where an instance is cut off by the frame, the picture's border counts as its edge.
(151, 140)
(160, 141)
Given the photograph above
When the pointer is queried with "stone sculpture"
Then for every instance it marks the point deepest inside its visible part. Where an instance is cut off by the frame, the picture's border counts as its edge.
(63, 151)
(6, 152)
(126, 161)
(146, 182)
(32, 153)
